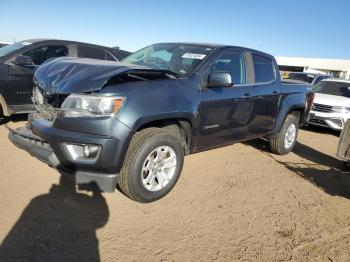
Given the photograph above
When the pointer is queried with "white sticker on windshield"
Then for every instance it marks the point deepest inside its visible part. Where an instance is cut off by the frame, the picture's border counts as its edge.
(193, 56)
(26, 43)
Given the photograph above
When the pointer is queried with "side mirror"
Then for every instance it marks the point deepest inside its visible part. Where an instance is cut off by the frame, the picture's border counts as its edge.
(22, 60)
(219, 80)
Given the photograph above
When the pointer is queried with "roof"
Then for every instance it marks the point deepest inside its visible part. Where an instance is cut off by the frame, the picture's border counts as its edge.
(36, 40)
(217, 46)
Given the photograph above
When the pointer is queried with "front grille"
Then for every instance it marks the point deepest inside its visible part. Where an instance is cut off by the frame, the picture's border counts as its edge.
(322, 108)
(47, 105)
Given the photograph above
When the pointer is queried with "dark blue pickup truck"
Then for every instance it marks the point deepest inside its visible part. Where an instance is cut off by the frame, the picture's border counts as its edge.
(131, 123)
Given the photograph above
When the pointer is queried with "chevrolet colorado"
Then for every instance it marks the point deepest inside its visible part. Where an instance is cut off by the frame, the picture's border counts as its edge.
(131, 123)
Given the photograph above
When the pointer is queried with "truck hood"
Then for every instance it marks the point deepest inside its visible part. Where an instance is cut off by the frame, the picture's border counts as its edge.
(66, 75)
(331, 100)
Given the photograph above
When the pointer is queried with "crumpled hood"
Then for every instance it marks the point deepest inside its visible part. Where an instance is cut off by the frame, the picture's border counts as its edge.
(67, 75)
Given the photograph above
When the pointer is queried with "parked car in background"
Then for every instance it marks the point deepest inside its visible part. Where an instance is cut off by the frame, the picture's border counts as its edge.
(2, 44)
(310, 78)
(331, 106)
(19, 61)
(131, 123)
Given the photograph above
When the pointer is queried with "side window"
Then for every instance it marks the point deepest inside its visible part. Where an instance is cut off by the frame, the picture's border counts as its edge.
(232, 63)
(264, 69)
(38, 54)
(91, 52)
(57, 51)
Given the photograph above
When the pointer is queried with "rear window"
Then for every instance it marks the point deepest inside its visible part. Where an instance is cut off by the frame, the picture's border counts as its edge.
(264, 69)
(333, 88)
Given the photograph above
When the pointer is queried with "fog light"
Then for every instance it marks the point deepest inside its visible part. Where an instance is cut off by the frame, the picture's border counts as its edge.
(83, 152)
(91, 151)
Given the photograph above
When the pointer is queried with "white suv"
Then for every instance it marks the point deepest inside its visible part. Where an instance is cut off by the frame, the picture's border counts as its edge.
(331, 107)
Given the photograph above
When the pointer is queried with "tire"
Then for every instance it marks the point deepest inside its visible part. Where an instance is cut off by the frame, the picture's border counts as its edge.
(278, 143)
(145, 150)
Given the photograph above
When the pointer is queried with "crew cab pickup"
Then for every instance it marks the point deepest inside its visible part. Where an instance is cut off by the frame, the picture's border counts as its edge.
(131, 123)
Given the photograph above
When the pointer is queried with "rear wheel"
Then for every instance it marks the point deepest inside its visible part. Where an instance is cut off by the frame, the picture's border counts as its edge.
(152, 165)
(284, 141)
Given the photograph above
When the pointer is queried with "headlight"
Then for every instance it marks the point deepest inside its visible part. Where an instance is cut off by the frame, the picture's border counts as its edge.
(90, 106)
(341, 109)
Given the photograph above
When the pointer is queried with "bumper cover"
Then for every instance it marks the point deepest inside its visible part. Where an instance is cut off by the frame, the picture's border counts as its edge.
(36, 146)
(333, 121)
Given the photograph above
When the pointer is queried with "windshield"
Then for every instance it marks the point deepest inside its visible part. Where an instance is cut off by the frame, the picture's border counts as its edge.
(181, 59)
(301, 77)
(333, 88)
(11, 48)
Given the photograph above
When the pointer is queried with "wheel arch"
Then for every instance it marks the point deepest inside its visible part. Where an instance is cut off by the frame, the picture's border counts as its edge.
(3, 106)
(180, 127)
(298, 109)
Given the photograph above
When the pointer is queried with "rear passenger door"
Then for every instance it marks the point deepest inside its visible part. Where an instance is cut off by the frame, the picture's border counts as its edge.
(266, 92)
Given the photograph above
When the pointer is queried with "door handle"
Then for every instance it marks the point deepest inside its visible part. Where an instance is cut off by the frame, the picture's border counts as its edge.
(246, 96)
(274, 92)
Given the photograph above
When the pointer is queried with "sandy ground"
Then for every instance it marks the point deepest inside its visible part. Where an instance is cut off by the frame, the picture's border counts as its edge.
(237, 203)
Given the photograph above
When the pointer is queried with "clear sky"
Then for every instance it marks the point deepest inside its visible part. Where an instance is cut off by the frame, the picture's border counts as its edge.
(283, 28)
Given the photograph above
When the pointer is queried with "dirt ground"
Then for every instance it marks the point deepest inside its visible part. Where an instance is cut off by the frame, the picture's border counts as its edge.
(237, 203)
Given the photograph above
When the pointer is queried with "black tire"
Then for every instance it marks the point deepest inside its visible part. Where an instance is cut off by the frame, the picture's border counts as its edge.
(277, 141)
(142, 144)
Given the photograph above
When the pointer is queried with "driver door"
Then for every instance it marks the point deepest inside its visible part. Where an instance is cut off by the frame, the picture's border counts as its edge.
(226, 112)
(21, 76)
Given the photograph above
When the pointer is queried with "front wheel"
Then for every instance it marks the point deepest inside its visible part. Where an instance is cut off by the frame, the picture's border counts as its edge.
(152, 165)
(284, 141)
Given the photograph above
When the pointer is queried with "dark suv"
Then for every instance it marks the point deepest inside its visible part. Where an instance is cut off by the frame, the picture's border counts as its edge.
(19, 61)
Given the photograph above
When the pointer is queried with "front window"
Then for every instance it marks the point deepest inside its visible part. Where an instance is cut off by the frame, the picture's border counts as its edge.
(232, 63)
(11, 48)
(181, 59)
(41, 54)
(333, 88)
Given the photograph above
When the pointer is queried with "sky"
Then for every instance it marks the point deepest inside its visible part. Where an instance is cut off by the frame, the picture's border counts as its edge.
(299, 28)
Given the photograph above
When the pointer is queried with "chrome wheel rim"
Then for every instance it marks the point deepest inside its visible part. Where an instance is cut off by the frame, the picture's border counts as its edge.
(159, 168)
(290, 136)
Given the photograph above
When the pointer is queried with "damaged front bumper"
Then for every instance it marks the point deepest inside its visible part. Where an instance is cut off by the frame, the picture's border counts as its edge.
(47, 143)
(23, 138)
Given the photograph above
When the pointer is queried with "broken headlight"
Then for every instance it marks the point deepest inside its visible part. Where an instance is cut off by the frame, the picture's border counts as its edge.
(90, 106)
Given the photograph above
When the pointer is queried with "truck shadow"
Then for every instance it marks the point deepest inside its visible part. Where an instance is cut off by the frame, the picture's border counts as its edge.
(321, 130)
(324, 171)
(58, 226)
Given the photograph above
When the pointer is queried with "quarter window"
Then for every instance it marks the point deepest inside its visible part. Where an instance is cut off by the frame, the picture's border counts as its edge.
(91, 52)
(264, 69)
(232, 63)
